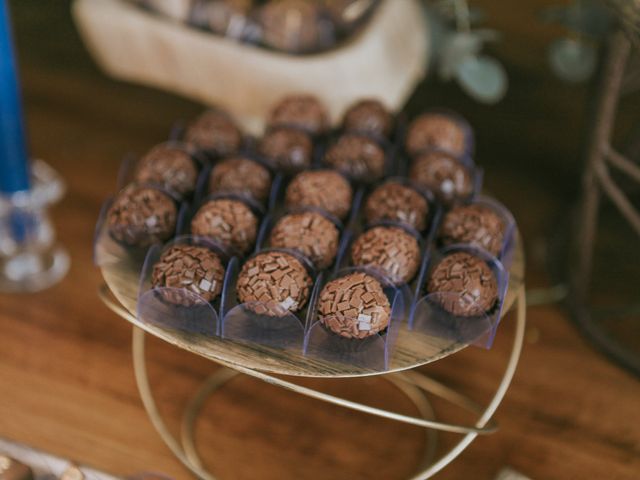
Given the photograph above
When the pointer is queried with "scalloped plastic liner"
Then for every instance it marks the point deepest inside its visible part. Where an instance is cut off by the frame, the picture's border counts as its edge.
(506, 252)
(372, 352)
(426, 316)
(129, 162)
(165, 306)
(240, 322)
(156, 308)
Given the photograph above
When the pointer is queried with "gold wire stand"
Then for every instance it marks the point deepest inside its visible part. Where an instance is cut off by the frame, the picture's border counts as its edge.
(413, 384)
(412, 349)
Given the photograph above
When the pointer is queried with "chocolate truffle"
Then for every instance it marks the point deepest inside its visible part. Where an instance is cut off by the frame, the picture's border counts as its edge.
(310, 234)
(277, 282)
(215, 132)
(435, 130)
(230, 222)
(11, 469)
(370, 117)
(225, 17)
(475, 224)
(358, 157)
(300, 111)
(464, 285)
(397, 202)
(354, 306)
(141, 216)
(324, 189)
(293, 26)
(190, 268)
(444, 175)
(241, 175)
(287, 148)
(393, 251)
(170, 167)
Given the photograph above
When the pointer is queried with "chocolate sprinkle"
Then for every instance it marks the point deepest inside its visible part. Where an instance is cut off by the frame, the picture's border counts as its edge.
(354, 306)
(241, 175)
(170, 167)
(444, 175)
(324, 189)
(190, 268)
(300, 111)
(473, 224)
(287, 148)
(230, 222)
(141, 216)
(357, 157)
(274, 284)
(464, 285)
(215, 132)
(435, 130)
(397, 202)
(310, 234)
(393, 251)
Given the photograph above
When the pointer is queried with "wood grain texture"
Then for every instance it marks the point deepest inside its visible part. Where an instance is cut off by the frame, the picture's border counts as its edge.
(66, 382)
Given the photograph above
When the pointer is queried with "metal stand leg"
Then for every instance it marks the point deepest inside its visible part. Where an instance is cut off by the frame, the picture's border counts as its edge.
(187, 452)
(599, 139)
(411, 383)
(219, 378)
(497, 398)
(597, 181)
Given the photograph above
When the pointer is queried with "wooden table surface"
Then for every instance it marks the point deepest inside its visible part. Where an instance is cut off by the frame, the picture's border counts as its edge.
(66, 382)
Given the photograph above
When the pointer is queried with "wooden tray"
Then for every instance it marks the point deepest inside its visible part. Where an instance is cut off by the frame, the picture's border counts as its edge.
(412, 348)
(385, 60)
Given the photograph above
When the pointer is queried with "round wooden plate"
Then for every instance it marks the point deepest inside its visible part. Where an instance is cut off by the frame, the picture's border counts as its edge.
(412, 348)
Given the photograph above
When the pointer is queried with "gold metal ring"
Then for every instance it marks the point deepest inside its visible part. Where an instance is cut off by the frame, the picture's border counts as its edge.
(409, 379)
(497, 398)
(419, 422)
(223, 375)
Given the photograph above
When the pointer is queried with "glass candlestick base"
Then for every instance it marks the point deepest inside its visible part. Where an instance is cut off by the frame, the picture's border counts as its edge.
(30, 259)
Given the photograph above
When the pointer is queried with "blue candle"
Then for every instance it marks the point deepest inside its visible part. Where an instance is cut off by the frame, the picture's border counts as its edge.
(14, 167)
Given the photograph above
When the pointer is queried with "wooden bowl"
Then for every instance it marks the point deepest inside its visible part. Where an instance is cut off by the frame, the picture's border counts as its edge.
(385, 60)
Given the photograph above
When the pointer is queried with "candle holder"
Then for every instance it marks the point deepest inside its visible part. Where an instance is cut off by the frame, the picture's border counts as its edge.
(30, 259)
